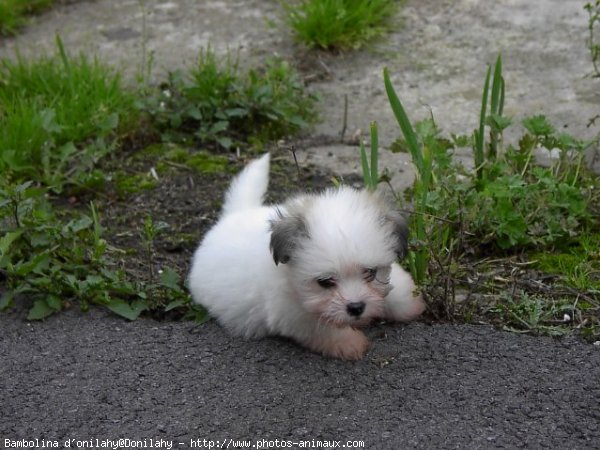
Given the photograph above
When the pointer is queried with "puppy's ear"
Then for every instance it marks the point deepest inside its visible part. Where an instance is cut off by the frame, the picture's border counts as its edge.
(399, 232)
(286, 233)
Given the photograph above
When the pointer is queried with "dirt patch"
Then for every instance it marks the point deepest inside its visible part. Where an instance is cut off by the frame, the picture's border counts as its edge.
(186, 202)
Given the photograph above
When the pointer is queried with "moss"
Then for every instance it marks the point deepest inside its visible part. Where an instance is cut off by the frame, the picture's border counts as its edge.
(167, 156)
(204, 162)
(157, 150)
(180, 240)
(126, 183)
(177, 154)
(555, 263)
(578, 266)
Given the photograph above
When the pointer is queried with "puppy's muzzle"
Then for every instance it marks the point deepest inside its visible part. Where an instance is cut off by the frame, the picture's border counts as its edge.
(355, 309)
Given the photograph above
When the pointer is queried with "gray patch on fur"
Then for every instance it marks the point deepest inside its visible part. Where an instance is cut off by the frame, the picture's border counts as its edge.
(286, 233)
(399, 232)
(391, 217)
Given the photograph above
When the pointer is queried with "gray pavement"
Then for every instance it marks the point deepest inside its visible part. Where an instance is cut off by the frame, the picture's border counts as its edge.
(80, 377)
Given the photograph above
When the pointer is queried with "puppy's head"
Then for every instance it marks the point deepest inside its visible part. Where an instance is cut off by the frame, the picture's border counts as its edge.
(338, 248)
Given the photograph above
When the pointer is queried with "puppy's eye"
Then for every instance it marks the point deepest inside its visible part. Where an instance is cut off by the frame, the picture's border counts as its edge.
(370, 274)
(326, 283)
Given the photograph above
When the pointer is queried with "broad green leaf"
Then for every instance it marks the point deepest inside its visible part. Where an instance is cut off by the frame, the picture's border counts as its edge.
(6, 300)
(298, 121)
(38, 264)
(40, 238)
(7, 240)
(94, 280)
(109, 123)
(174, 304)
(48, 117)
(236, 112)
(23, 187)
(76, 226)
(170, 279)
(224, 142)
(195, 113)
(40, 310)
(198, 314)
(218, 127)
(130, 311)
(54, 302)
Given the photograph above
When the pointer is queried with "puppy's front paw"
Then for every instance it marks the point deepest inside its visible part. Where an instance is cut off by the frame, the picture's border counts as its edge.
(342, 343)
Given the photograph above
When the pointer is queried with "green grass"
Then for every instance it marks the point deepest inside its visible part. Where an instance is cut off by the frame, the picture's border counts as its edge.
(204, 162)
(216, 104)
(339, 24)
(127, 183)
(577, 265)
(13, 13)
(60, 115)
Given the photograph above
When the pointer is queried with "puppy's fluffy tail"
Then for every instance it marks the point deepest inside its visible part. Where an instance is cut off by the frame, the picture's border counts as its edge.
(249, 187)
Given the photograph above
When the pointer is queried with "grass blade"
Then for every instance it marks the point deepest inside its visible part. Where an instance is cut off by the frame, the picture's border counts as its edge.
(374, 156)
(496, 105)
(365, 166)
(501, 104)
(405, 126)
(497, 83)
(479, 134)
(63, 55)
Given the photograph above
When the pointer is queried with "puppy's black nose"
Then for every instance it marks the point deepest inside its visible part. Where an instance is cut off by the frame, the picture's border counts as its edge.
(355, 308)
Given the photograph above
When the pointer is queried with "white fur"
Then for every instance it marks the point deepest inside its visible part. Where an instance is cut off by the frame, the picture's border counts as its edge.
(234, 274)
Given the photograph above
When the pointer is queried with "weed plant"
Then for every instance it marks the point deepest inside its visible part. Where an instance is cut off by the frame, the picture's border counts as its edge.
(215, 103)
(58, 117)
(508, 209)
(60, 261)
(13, 13)
(339, 24)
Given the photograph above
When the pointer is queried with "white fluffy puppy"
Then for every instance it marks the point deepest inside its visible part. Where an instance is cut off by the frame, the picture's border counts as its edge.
(312, 269)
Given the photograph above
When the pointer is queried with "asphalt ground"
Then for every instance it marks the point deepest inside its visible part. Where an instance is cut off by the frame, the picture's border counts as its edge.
(93, 378)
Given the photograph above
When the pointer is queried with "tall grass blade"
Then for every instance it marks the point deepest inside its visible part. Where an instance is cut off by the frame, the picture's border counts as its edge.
(63, 55)
(496, 105)
(405, 126)
(365, 165)
(423, 160)
(501, 105)
(479, 134)
(496, 86)
(374, 156)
